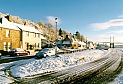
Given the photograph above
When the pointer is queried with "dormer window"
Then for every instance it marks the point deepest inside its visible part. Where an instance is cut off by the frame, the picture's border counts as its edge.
(35, 34)
(39, 35)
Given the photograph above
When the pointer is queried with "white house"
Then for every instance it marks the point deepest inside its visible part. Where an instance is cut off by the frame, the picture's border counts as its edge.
(69, 42)
(82, 45)
(31, 37)
(90, 45)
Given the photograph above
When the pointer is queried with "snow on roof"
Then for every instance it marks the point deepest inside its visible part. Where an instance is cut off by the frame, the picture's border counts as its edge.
(6, 24)
(74, 39)
(82, 43)
(59, 42)
(66, 42)
(27, 28)
(42, 37)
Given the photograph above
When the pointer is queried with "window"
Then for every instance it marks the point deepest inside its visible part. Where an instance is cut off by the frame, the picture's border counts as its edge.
(7, 33)
(7, 46)
(38, 45)
(27, 33)
(27, 45)
(39, 35)
(35, 45)
(35, 34)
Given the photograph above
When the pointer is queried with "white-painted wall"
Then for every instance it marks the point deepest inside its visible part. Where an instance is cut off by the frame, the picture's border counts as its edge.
(31, 39)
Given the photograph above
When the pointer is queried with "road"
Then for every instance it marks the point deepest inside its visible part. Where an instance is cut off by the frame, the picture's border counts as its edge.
(82, 71)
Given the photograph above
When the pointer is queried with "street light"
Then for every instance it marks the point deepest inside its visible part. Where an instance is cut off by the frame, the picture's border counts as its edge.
(56, 20)
(86, 43)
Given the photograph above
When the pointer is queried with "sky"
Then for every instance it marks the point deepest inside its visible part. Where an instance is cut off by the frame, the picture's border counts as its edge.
(97, 20)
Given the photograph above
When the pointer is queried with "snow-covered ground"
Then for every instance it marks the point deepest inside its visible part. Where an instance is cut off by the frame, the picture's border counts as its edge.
(64, 61)
(24, 68)
(4, 79)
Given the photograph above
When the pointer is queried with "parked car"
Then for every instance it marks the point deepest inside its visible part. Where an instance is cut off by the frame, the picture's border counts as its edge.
(45, 52)
(18, 52)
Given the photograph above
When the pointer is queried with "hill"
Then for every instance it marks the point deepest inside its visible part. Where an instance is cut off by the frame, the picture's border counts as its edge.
(48, 30)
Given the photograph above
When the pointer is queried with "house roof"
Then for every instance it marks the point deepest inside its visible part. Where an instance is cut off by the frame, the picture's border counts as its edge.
(27, 28)
(82, 43)
(59, 42)
(6, 24)
(66, 42)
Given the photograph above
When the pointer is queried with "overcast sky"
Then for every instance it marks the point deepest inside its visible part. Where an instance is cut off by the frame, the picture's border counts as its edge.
(95, 19)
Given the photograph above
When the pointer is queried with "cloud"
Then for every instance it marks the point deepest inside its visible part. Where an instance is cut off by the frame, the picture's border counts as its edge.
(120, 16)
(51, 19)
(106, 38)
(117, 32)
(106, 25)
(100, 38)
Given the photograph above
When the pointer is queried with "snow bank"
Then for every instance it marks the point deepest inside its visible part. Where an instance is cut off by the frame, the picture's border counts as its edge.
(4, 79)
(49, 64)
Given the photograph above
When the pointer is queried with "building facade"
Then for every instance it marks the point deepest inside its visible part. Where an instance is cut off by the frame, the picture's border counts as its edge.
(9, 35)
(30, 37)
(13, 35)
(70, 42)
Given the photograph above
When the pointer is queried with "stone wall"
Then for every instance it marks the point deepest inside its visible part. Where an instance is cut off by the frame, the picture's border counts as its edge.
(14, 38)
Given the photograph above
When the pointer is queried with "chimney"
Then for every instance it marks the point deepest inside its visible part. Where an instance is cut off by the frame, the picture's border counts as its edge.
(24, 23)
(1, 20)
(9, 18)
(66, 36)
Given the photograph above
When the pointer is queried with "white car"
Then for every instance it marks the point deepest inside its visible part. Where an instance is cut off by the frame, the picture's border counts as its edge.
(45, 52)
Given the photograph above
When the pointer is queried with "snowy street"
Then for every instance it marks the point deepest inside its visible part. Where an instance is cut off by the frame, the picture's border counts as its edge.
(64, 64)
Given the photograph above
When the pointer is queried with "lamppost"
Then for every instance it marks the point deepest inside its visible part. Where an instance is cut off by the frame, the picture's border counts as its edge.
(86, 43)
(56, 20)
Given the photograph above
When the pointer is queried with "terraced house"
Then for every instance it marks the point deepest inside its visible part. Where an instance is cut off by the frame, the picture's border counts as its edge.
(30, 37)
(9, 35)
(13, 35)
